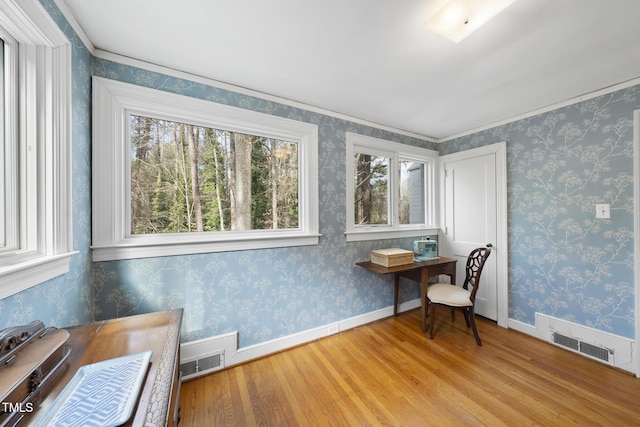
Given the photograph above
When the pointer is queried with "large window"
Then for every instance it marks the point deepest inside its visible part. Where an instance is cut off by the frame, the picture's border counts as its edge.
(177, 175)
(5, 160)
(35, 147)
(187, 178)
(390, 189)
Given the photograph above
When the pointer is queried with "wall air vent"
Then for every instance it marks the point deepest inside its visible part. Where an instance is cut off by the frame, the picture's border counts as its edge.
(595, 351)
(202, 365)
(586, 341)
(566, 341)
(189, 368)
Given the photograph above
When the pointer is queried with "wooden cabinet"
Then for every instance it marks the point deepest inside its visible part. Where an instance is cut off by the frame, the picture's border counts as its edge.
(158, 403)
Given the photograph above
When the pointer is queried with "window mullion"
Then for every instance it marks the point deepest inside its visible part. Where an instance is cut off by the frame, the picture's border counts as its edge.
(6, 150)
(30, 217)
(394, 192)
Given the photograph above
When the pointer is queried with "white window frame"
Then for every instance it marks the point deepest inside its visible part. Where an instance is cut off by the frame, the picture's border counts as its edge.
(114, 102)
(394, 151)
(39, 162)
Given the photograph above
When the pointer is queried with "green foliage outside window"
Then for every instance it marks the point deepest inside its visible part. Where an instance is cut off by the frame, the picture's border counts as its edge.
(187, 178)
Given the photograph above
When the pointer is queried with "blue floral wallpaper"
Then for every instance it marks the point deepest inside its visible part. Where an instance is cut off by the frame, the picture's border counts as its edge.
(563, 262)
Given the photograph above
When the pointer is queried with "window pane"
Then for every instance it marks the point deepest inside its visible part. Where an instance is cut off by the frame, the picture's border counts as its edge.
(188, 178)
(412, 197)
(3, 154)
(371, 183)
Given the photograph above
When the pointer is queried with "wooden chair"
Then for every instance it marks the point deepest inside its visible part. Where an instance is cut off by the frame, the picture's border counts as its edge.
(460, 297)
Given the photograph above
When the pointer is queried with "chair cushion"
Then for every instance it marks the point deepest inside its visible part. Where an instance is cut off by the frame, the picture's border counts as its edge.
(445, 293)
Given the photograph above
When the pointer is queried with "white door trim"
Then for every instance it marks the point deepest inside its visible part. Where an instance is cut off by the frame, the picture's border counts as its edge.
(500, 248)
(636, 235)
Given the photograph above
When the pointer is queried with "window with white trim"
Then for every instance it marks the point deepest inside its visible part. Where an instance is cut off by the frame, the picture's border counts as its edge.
(35, 159)
(7, 160)
(390, 189)
(177, 175)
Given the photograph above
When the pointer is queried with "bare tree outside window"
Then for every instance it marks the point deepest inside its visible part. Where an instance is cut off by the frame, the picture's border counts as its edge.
(371, 184)
(188, 178)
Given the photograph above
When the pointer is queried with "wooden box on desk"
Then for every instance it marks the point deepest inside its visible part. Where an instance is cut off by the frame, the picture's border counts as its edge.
(391, 257)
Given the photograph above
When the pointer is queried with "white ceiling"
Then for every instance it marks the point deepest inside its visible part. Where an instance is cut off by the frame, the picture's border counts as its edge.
(374, 59)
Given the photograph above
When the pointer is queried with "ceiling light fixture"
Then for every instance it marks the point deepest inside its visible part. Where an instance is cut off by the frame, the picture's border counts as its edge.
(459, 18)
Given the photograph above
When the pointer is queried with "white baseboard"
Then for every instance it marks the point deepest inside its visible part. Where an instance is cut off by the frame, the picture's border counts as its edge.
(620, 348)
(523, 327)
(228, 343)
(194, 349)
(259, 350)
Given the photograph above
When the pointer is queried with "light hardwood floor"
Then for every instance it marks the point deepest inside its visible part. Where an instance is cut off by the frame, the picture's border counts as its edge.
(389, 373)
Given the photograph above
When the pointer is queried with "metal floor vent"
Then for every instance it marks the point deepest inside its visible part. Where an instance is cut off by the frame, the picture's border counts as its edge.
(202, 365)
(595, 351)
(566, 341)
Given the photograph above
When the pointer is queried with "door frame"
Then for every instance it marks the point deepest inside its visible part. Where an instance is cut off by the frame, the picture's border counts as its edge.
(636, 236)
(500, 246)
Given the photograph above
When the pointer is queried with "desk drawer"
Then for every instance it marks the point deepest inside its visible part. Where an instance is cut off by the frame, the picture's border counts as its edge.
(442, 269)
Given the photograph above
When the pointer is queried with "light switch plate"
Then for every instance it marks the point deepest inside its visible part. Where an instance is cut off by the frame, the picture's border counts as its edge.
(603, 211)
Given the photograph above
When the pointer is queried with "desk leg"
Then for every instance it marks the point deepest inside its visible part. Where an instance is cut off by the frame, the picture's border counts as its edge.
(424, 284)
(396, 284)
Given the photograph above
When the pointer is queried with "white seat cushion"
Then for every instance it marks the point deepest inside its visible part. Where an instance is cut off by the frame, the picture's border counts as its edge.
(445, 293)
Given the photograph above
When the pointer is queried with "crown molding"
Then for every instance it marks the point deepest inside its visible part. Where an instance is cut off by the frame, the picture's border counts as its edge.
(542, 110)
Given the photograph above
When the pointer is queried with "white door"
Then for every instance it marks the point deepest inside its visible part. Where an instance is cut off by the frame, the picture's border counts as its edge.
(474, 215)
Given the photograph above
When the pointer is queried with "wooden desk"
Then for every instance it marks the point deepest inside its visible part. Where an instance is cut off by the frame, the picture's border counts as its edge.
(420, 272)
(159, 332)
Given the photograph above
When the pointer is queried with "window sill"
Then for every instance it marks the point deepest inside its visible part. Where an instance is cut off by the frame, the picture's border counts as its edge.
(373, 234)
(20, 276)
(151, 248)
